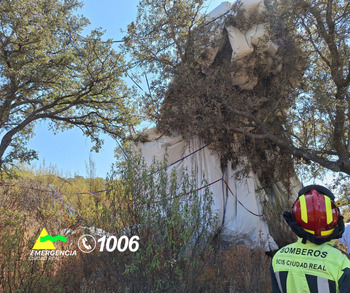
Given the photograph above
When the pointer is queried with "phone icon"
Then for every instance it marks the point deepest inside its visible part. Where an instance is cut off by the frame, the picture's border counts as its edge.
(87, 243)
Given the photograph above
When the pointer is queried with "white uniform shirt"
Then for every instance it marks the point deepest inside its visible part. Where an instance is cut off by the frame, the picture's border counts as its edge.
(345, 239)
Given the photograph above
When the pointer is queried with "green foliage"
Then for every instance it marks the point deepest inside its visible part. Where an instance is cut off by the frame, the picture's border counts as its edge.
(164, 35)
(159, 39)
(27, 205)
(203, 100)
(319, 119)
(49, 72)
(177, 252)
(174, 229)
(18, 273)
(298, 111)
(175, 223)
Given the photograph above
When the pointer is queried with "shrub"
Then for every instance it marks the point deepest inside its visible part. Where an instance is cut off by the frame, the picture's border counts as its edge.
(240, 270)
(17, 272)
(178, 250)
(173, 220)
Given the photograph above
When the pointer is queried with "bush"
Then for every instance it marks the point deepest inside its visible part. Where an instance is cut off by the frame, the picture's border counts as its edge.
(174, 229)
(17, 272)
(179, 247)
(239, 269)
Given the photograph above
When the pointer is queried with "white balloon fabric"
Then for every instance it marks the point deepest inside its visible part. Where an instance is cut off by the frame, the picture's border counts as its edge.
(236, 199)
(243, 42)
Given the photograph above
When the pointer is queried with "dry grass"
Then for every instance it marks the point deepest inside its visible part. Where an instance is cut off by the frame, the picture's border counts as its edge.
(24, 211)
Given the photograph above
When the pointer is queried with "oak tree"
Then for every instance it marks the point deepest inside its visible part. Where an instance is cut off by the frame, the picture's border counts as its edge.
(300, 112)
(48, 71)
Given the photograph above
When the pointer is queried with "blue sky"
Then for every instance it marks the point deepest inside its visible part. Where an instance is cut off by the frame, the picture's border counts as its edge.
(69, 151)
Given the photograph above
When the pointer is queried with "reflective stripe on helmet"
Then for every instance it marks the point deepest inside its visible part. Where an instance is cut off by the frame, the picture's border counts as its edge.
(303, 208)
(316, 214)
(329, 212)
(323, 233)
(310, 231)
(327, 233)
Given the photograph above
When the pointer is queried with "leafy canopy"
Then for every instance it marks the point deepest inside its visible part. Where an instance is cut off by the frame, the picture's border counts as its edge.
(49, 72)
(299, 112)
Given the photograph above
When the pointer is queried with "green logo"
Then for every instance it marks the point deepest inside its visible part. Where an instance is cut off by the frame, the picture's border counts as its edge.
(45, 241)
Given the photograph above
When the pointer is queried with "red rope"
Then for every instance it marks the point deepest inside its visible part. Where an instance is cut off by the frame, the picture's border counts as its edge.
(228, 187)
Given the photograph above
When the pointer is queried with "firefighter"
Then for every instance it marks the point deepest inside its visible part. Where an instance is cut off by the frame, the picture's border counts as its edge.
(312, 264)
